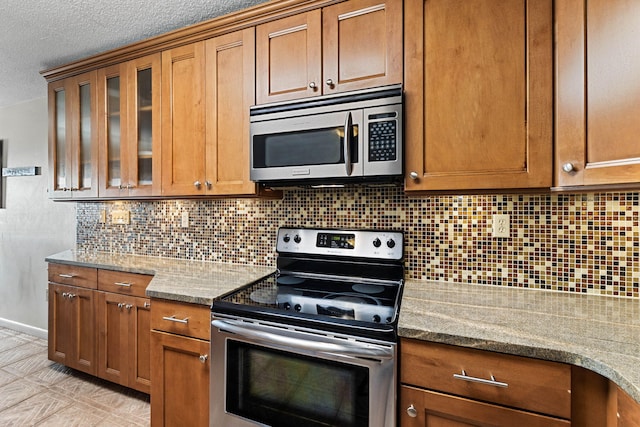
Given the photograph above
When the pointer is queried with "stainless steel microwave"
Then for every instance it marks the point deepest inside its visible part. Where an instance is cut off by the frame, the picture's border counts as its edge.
(352, 137)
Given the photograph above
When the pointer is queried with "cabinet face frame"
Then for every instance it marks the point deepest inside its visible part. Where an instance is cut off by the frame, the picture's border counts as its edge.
(535, 168)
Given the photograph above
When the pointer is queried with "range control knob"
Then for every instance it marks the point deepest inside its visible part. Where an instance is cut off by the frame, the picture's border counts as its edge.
(297, 307)
(286, 238)
(297, 239)
(391, 243)
(286, 306)
(377, 243)
(376, 318)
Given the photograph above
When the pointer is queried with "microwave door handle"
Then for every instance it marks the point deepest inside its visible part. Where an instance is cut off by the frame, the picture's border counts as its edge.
(348, 124)
(345, 349)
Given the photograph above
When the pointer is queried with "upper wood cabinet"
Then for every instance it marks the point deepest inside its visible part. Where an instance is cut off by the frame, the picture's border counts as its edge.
(346, 46)
(597, 92)
(73, 140)
(183, 120)
(129, 128)
(478, 94)
(230, 91)
(208, 88)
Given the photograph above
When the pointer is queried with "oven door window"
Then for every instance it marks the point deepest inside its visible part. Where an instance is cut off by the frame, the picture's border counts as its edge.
(279, 388)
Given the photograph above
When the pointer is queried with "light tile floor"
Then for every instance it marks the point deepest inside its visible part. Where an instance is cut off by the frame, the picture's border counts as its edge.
(37, 392)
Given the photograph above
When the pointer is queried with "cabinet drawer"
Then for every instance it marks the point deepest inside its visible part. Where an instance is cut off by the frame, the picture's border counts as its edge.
(123, 283)
(190, 320)
(525, 383)
(84, 277)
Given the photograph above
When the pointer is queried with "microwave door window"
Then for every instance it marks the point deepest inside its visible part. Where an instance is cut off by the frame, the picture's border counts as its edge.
(302, 148)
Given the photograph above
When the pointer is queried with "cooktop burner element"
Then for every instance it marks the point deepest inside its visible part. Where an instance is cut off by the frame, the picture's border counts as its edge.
(334, 279)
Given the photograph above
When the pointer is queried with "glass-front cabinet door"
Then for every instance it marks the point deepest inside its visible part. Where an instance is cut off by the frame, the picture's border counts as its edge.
(129, 124)
(73, 150)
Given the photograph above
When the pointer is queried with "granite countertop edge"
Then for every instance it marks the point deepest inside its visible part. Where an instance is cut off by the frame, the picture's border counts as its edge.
(188, 281)
(554, 326)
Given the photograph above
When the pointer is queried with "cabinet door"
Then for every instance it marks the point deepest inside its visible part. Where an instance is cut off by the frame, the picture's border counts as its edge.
(289, 58)
(478, 94)
(179, 380)
(140, 345)
(73, 149)
(230, 93)
(113, 334)
(427, 408)
(72, 333)
(143, 172)
(183, 125)
(361, 44)
(61, 319)
(597, 93)
(112, 111)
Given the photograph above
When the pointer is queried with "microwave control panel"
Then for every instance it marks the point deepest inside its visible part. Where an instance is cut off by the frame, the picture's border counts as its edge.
(383, 139)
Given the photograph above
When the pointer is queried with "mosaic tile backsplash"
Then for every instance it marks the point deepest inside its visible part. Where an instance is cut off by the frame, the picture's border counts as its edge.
(585, 243)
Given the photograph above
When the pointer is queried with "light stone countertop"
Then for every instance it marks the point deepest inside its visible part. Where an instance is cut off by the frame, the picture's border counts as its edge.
(596, 332)
(197, 282)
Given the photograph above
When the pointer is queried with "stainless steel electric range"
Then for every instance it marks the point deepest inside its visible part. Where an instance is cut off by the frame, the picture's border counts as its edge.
(314, 343)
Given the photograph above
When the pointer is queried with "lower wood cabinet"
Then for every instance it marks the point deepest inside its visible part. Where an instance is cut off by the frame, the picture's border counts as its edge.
(72, 337)
(72, 299)
(99, 323)
(124, 333)
(454, 386)
(429, 408)
(180, 360)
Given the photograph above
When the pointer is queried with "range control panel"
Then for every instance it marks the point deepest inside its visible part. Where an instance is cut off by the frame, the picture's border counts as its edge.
(376, 244)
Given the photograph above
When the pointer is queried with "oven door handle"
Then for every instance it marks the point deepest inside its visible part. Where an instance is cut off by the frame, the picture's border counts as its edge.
(261, 335)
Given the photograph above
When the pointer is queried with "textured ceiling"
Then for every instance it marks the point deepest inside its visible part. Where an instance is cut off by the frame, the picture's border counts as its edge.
(40, 34)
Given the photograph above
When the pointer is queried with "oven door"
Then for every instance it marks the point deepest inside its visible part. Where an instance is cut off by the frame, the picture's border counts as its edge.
(264, 375)
(316, 146)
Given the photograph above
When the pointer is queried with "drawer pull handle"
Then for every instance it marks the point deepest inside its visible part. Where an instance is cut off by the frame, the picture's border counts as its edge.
(203, 358)
(147, 304)
(174, 319)
(120, 305)
(67, 276)
(123, 284)
(463, 376)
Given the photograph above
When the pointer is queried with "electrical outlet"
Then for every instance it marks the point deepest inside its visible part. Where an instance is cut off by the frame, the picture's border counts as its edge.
(501, 225)
(103, 216)
(185, 219)
(120, 217)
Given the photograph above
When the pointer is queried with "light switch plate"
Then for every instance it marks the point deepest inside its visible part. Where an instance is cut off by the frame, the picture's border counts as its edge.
(120, 217)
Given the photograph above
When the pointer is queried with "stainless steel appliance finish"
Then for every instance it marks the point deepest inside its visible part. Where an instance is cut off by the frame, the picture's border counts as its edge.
(313, 344)
(339, 138)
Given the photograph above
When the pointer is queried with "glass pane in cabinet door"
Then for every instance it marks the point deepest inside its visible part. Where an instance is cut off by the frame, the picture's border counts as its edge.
(113, 132)
(61, 140)
(85, 136)
(145, 120)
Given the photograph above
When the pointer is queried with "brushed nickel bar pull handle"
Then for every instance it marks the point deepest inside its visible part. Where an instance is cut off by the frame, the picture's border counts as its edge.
(173, 319)
(67, 276)
(463, 376)
(123, 284)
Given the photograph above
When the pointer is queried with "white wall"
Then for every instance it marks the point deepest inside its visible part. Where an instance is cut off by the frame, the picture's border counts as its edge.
(31, 226)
